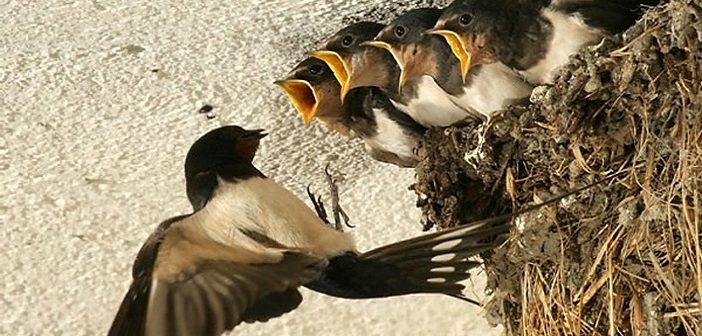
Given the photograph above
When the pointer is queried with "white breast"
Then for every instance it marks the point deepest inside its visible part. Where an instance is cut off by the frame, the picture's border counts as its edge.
(570, 34)
(433, 106)
(391, 137)
(493, 88)
(260, 204)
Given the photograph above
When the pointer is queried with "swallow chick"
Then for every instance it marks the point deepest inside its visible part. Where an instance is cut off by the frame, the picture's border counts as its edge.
(536, 38)
(249, 244)
(365, 66)
(321, 102)
(338, 49)
(388, 134)
(427, 57)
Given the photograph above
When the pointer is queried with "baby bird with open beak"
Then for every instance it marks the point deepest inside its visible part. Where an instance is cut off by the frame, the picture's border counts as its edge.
(339, 49)
(389, 135)
(425, 57)
(321, 102)
(357, 64)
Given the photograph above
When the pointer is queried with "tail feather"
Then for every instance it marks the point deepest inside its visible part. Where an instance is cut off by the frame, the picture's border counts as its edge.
(447, 241)
(441, 256)
(421, 264)
(438, 262)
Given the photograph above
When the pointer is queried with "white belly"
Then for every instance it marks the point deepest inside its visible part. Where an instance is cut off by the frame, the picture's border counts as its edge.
(570, 34)
(391, 137)
(262, 205)
(493, 88)
(433, 106)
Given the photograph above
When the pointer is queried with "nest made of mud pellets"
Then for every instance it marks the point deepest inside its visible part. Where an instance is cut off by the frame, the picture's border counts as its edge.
(621, 258)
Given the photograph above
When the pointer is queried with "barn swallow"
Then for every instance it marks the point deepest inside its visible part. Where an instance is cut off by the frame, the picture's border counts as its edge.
(321, 102)
(250, 243)
(356, 65)
(389, 135)
(488, 89)
(536, 38)
(339, 48)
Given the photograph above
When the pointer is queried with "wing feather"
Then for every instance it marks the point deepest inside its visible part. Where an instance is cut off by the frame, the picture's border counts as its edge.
(197, 286)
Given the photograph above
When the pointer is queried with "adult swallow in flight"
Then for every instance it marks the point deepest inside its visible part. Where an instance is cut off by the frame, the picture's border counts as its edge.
(250, 243)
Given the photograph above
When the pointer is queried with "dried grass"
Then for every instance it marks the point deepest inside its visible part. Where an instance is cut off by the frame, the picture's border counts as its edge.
(620, 259)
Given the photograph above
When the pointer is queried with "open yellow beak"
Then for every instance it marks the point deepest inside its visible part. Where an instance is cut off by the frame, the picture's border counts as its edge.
(345, 88)
(336, 63)
(302, 95)
(400, 62)
(458, 47)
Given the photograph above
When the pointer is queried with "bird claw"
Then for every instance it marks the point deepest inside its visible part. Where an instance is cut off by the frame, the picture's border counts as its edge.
(338, 212)
(318, 205)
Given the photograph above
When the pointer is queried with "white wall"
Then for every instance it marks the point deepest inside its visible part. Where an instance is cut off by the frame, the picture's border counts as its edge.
(93, 143)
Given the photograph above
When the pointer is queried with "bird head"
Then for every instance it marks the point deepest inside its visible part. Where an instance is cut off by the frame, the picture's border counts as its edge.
(410, 47)
(223, 146)
(467, 26)
(315, 93)
(350, 60)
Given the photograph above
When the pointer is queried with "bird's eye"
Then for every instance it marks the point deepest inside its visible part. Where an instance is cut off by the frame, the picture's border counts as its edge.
(316, 69)
(465, 19)
(347, 41)
(400, 31)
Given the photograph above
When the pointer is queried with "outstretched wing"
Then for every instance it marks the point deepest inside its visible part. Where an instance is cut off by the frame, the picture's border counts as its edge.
(196, 286)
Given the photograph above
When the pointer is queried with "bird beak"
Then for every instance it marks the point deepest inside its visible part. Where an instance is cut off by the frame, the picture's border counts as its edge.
(302, 95)
(336, 63)
(395, 54)
(459, 48)
(369, 67)
(256, 134)
(247, 146)
(353, 82)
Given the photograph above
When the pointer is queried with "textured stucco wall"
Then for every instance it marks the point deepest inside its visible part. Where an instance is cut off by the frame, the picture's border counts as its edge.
(93, 142)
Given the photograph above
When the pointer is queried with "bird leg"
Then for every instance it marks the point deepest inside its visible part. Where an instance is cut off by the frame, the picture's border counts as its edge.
(337, 210)
(318, 205)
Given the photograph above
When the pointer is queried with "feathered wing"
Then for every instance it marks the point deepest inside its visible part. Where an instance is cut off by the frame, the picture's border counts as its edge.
(200, 287)
(132, 311)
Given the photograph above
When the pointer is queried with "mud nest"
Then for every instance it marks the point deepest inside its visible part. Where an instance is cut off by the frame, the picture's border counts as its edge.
(624, 257)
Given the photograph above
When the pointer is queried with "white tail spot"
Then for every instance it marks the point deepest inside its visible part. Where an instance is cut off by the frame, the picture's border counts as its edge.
(445, 269)
(444, 257)
(447, 245)
(436, 280)
(462, 232)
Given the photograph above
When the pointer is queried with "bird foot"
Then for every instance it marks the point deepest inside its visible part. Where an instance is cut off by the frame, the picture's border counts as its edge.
(337, 211)
(318, 205)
